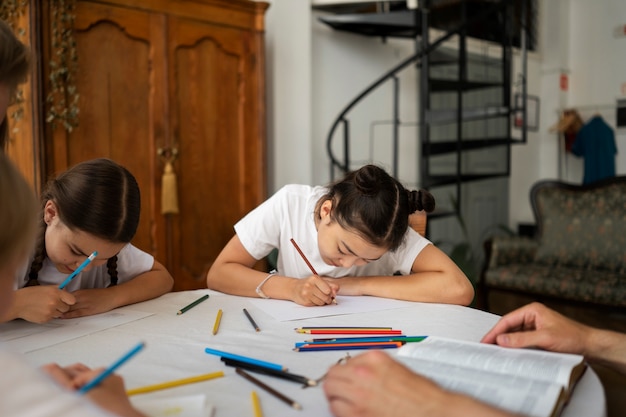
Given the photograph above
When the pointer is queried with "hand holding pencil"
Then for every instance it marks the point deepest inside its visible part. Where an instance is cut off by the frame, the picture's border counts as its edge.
(314, 291)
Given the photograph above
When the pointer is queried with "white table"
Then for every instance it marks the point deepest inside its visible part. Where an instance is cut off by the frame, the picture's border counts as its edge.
(175, 349)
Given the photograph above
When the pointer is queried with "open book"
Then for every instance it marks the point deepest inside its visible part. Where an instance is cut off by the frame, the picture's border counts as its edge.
(524, 381)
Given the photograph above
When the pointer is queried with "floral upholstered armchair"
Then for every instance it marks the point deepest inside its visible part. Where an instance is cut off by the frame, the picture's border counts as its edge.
(579, 254)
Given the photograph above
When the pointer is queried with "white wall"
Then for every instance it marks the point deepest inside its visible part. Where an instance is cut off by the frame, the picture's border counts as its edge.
(289, 92)
(314, 71)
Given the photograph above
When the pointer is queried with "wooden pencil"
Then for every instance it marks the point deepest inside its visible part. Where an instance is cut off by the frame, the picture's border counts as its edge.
(269, 389)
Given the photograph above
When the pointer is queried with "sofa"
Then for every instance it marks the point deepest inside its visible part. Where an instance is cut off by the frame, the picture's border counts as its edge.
(578, 254)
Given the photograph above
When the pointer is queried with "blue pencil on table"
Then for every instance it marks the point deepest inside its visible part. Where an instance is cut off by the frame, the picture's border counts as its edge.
(108, 371)
(77, 270)
(400, 338)
(355, 346)
(245, 359)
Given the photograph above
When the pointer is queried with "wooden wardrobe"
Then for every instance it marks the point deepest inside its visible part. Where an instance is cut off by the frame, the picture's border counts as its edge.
(178, 81)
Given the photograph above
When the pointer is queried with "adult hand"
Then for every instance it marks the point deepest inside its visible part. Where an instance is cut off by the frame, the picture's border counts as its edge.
(314, 291)
(535, 325)
(375, 385)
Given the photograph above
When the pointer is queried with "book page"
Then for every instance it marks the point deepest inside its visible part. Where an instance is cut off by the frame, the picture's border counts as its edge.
(535, 364)
(515, 394)
(522, 381)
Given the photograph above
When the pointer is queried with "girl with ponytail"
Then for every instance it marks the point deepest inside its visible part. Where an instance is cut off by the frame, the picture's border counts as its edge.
(354, 233)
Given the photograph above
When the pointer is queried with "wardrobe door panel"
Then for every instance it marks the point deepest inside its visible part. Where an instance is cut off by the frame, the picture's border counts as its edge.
(221, 153)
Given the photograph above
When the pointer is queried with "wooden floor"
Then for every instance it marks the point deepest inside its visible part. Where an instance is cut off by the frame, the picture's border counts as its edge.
(613, 382)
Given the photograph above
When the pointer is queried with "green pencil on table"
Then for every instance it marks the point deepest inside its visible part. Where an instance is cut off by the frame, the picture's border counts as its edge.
(195, 303)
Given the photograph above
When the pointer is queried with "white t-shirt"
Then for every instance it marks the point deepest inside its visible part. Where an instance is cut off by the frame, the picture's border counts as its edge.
(290, 214)
(25, 391)
(130, 263)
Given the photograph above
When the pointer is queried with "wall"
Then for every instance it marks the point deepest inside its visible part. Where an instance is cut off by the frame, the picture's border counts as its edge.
(289, 99)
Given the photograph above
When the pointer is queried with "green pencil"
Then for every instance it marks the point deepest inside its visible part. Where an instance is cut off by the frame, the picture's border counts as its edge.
(195, 303)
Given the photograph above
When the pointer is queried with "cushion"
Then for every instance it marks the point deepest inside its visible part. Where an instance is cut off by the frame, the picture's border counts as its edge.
(598, 287)
(582, 227)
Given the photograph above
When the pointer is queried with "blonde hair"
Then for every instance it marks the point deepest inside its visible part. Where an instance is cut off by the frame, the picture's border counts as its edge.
(18, 211)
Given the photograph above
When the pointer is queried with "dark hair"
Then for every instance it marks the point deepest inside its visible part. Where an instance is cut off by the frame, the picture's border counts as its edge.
(14, 67)
(372, 203)
(99, 197)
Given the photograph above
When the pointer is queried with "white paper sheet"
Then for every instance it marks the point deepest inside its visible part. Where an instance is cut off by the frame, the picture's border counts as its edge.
(283, 310)
(23, 336)
(187, 406)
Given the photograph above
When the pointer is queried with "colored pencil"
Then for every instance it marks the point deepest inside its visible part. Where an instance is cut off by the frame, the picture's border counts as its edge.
(174, 383)
(304, 257)
(195, 303)
(348, 331)
(246, 359)
(349, 346)
(112, 368)
(269, 389)
(251, 320)
(218, 318)
(342, 328)
(308, 345)
(269, 371)
(256, 405)
(293, 242)
(399, 338)
(78, 270)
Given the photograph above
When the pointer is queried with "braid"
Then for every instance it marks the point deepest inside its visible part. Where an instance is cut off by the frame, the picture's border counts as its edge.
(40, 255)
(112, 269)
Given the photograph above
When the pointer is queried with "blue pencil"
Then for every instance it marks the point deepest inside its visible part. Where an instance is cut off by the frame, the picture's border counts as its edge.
(108, 371)
(244, 359)
(400, 338)
(77, 270)
(316, 348)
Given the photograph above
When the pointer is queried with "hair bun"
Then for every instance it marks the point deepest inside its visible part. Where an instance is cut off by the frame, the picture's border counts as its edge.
(368, 180)
(421, 200)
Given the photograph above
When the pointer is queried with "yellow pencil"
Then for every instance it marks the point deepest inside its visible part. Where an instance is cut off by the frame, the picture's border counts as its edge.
(256, 405)
(216, 326)
(174, 383)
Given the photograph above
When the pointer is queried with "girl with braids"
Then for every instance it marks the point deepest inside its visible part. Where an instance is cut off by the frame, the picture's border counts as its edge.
(355, 233)
(49, 391)
(93, 206)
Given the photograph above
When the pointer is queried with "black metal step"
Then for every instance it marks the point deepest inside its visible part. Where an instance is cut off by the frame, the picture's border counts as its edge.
(478, 113)
(406, 23)
(440, 85)
(449, 146)
(441, 180)
(401, 24)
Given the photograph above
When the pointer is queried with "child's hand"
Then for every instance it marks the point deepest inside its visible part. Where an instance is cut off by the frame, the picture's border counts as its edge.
(42, 303)
(90, 302)
(65, 376)
(314, 291)
(110, 394)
